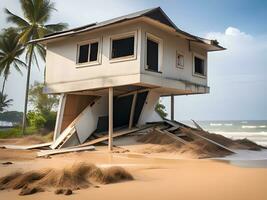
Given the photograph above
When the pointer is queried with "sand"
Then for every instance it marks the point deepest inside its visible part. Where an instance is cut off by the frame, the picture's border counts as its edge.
(154, 178)
(161, 168)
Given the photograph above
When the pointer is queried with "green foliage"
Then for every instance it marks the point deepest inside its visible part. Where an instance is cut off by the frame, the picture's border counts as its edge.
(33, 25)
(10, 51)
(43, 115)
(16, 132)
(41, 102)
(36, 120)
(4, 102)
(161, 110)
(11, 116)
(50, 120)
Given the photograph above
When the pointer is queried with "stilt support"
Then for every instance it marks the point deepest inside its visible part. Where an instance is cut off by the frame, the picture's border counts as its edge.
(110, 118)
(172, 107)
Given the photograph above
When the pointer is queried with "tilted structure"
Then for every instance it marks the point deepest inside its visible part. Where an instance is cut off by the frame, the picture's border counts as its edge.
(111, 74)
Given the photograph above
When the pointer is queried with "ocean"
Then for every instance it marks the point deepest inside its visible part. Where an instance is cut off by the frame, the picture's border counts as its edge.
(255, 130)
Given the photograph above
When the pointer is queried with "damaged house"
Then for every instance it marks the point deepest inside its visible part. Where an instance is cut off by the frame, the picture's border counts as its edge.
(110, 75)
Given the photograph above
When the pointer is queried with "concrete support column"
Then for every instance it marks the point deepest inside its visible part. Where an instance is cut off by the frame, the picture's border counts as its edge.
(172, 107)
(110, 117)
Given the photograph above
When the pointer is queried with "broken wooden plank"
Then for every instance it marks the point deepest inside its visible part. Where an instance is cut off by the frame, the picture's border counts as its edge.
(213, 142)
(27, 147)
(172, 136)
(67, 150)
(197, 125)
(204, 138)
(115, 134)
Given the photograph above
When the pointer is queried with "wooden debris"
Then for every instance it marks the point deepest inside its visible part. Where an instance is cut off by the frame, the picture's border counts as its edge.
(66, 150)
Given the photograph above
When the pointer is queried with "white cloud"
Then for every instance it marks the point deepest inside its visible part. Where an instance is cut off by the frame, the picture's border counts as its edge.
(237, 79)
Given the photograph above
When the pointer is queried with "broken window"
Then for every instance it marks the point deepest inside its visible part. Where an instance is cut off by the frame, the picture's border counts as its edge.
(122, 47)
(88, 52)
(199, 67)
(152, 55)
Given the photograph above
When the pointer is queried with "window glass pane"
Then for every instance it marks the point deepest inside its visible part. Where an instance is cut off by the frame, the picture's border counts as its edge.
(152, 55)
(123, 47)
(93, 51)
(83, 53)
(199, 66)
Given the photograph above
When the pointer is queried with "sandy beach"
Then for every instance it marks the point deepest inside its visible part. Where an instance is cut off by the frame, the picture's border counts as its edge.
(155, 176)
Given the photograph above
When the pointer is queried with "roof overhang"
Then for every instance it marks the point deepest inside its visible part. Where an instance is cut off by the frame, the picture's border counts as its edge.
(155, 16)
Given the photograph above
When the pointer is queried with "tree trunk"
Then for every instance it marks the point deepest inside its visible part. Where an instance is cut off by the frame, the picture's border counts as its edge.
(27, 92)
(2, 92)
(3, 87)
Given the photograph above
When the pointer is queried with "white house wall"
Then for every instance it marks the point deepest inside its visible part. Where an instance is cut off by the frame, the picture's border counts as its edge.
(87, 123)
(172, 44)
(148, 113)
(62, 70)
(64, 75)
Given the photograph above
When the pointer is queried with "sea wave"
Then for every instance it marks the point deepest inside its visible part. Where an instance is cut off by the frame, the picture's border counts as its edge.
(228, 124)
(252, 127)
(215, 124)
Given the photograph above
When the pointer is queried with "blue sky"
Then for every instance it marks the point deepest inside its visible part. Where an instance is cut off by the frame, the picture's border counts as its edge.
(237, 77)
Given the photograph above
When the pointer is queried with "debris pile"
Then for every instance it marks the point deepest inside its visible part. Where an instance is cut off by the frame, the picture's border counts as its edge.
(78, 176)
(191, 142)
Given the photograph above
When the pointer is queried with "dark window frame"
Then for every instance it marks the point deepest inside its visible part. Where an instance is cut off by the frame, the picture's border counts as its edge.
(123, 36)
(98, 54)
(201, 75)
(159, 41)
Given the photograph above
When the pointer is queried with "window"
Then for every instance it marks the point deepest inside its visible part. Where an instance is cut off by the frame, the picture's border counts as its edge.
(152, 55)
(199, 66)
(123, 47)
(88, 52)
(154, 52)
(180, 60)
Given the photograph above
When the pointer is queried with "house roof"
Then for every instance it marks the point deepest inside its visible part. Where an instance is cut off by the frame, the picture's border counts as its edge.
(156, 14)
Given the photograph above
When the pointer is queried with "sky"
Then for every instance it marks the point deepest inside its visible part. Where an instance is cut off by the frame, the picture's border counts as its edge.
(237, 77)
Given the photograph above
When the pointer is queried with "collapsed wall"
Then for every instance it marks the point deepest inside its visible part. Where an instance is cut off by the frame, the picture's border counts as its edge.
(78, 125)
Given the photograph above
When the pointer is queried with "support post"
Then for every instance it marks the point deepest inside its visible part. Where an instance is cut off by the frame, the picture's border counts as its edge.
(172, 107)
(132, 111)
(110, 117)
(60, 113)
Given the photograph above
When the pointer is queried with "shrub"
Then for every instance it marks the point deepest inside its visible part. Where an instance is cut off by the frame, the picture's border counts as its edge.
(36, 119)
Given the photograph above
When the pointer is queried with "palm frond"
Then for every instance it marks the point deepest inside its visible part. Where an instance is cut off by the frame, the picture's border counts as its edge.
(15, 19)
(28, 10)
(51, 28)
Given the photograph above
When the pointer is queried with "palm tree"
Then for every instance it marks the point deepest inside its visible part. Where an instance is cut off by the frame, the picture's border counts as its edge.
(36, 13)
(4, 102)
(10, 51)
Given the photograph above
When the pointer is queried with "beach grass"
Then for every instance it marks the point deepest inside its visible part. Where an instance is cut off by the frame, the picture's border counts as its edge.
(16, 132)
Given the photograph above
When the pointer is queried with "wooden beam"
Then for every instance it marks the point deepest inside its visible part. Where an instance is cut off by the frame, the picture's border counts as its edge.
(132, 111)
(172, 107)
(115, 134)
(60, 112)
(110, 117)
(133, 92)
